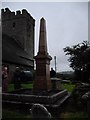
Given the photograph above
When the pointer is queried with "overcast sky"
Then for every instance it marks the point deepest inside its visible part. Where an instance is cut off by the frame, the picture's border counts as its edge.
(66, 23)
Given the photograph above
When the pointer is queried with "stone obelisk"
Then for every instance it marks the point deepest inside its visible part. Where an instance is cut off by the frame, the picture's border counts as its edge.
(42, 80)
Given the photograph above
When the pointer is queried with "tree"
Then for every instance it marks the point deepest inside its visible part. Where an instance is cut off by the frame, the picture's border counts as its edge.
(80, 59)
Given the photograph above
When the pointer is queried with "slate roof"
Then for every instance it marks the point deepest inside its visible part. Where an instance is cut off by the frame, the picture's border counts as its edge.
(13, 53)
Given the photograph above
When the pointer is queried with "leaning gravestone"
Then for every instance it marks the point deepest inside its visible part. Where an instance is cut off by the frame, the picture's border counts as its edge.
(39, 112)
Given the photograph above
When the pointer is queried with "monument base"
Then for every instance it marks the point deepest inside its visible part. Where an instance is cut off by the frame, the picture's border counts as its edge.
(25, 97)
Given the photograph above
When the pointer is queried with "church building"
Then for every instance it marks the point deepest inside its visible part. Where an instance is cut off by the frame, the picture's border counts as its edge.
(17, 40)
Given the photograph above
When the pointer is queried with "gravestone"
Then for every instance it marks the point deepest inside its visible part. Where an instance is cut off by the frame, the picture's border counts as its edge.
(38, 111)
(42, 80)
(56, 83)
(86, 98)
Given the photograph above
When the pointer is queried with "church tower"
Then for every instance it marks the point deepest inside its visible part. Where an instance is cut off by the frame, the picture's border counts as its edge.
(20, 26)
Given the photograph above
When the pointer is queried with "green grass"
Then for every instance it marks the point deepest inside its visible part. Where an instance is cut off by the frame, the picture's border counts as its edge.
(66, 116)
(74, 116)
(30, 85)
(11, 86)
(69, 87)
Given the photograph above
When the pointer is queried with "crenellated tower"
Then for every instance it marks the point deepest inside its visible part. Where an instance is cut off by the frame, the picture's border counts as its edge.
(20, 26)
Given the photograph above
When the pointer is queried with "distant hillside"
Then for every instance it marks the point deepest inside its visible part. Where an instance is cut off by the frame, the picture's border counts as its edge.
(66, 72)
(66, 75)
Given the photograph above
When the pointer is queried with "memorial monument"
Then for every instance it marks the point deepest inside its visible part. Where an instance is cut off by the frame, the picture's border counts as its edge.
(42, 78)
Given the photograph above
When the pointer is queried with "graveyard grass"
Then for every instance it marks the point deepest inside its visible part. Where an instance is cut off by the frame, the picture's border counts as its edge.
(26, 86)
(74, 116)
(69, 86)
(9, 114)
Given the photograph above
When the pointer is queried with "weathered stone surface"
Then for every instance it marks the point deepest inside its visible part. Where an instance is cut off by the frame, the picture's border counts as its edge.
(42, 78)
(42, 99)
(86, 98)
(20, 27)
(39, 111)
(56, 83)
